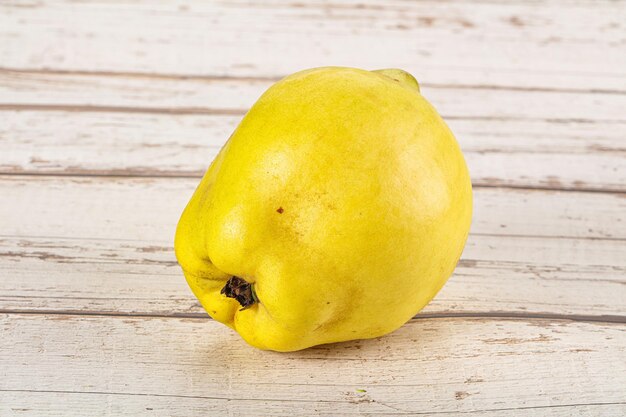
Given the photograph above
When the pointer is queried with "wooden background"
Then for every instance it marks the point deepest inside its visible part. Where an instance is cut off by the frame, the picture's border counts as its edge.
(111, 111)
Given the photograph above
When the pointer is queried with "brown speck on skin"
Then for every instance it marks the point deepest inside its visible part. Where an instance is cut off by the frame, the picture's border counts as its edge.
(516, 21)
(280, 210)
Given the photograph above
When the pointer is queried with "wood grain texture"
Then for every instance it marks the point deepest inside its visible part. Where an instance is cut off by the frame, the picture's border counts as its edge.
(110, 111)
(498, 276)
(548, 44)
(105, 245)
(194, 366)
(161, 126)
(59, 404)
(147, 209)
(217, 95)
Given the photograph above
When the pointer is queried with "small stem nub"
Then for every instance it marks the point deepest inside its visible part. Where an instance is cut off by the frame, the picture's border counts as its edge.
(240, 290)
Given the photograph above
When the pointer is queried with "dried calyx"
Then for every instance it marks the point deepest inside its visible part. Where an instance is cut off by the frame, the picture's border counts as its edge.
(240, 290)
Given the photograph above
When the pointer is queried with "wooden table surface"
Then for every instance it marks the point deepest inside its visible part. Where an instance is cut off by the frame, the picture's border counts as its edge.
(111, 111)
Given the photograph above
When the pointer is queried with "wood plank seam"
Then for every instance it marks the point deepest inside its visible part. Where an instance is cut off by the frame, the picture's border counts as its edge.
(181, 174)
(240, 112)
(209, 78)
(608, 319)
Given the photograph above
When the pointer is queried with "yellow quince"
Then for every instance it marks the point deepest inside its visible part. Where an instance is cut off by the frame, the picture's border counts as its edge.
(336, 210)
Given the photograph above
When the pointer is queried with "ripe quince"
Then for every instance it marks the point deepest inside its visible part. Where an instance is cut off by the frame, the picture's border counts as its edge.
(337, 209)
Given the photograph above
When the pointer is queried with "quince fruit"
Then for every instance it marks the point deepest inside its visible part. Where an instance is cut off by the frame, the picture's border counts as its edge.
(336, 210)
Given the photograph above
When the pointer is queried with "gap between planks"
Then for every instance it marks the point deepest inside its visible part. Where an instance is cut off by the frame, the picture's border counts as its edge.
(130, 174)
(548, 45)
(572, 214)
(87, 108)
(497, 274)
(510, 141)
(503, 315)
(504, 235)
(210, 78)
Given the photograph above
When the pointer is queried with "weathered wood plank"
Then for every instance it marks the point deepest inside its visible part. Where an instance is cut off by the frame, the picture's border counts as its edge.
(514, 138)
(116, 235)
(147, 209)
(444, 366)
(546, 44)
(541, 107)
(57, 404)
(225, 95)
(498, 275)
(512, 153)
(63, 404)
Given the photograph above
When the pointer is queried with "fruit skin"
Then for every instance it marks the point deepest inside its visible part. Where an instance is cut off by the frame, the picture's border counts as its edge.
(342, 197)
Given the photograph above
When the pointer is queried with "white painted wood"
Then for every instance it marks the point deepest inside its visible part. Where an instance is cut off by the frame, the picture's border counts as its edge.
(147, 209)
(553, 139)
(564, 156)
(497, 275)
(86, 135)
(216, 95)
(189, 366)
(547, 44)
(60, 404)
(535, 92)
(498, 153)
(105, 245)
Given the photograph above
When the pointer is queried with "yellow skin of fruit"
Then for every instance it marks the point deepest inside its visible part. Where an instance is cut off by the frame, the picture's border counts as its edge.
(342, 197)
